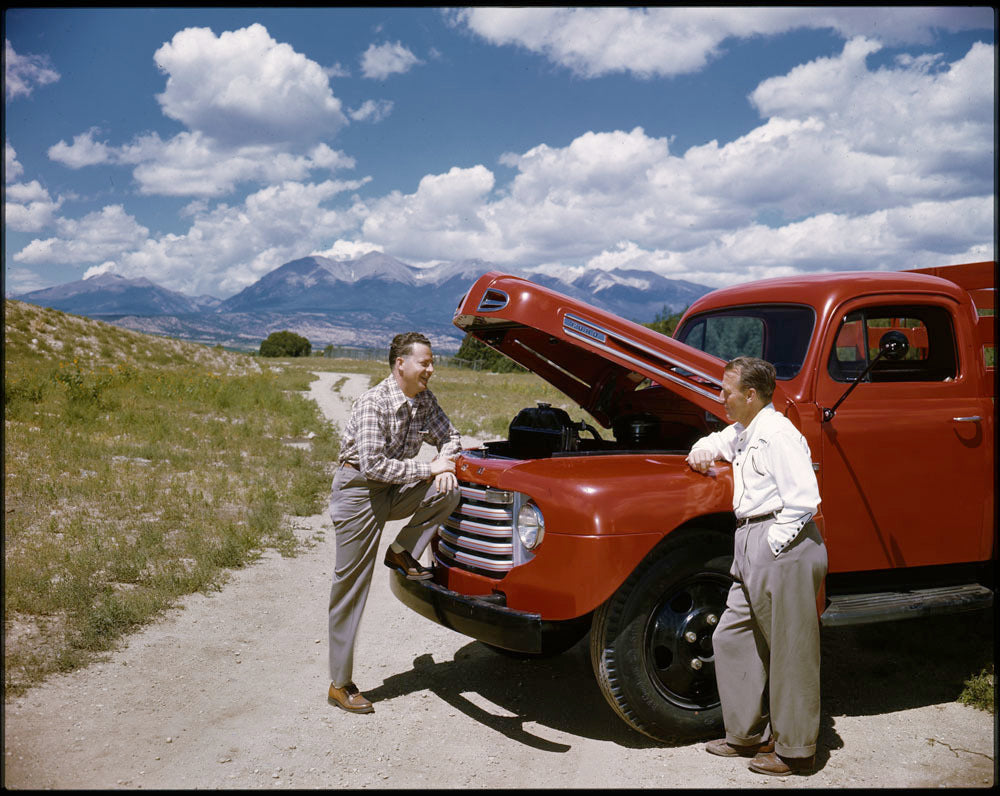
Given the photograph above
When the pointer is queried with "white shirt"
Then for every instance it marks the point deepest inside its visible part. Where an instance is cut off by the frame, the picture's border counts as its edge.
(772, 471)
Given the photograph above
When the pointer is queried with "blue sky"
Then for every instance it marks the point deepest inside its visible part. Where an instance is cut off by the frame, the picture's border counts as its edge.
(202, 148)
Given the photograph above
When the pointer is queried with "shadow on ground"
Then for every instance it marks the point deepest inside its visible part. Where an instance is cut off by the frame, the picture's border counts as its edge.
(558, 692)
(892, 666)
(866, 670)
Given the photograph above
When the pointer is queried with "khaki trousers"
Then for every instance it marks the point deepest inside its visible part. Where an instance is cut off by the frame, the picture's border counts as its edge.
(359, 509)
(767, 641)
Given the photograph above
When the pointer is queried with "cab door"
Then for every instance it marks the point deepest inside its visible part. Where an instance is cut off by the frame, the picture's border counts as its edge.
(906, 467)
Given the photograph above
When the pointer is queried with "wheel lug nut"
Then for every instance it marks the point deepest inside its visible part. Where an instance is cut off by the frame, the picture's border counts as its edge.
(712, 619)
(690, 636)
(696, 664)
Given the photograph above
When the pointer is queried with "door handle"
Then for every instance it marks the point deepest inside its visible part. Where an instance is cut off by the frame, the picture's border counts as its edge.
(970, 419)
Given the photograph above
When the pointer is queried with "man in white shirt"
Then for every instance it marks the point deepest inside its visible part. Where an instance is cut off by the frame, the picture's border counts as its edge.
(767, 640)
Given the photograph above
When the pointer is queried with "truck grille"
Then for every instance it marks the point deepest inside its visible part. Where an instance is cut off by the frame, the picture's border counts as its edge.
(479, 535)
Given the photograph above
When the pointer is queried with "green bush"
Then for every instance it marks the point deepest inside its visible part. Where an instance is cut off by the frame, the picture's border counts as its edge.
(474, 350)
(665, 321)
(285, 344)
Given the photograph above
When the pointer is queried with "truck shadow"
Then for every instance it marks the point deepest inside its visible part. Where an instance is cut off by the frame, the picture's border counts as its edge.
(891, 666)
(558, 693)
(866, 670)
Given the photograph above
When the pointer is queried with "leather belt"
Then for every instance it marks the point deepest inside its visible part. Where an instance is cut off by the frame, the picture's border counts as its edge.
(747, 520)
(352, 465)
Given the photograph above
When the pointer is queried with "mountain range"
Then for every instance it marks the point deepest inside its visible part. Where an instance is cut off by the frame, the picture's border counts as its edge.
(361, 302)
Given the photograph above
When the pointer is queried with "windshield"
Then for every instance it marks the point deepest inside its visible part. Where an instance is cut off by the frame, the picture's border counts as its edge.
(778, 333)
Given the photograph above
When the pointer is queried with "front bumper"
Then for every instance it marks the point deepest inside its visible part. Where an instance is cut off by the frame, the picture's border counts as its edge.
(488, 622)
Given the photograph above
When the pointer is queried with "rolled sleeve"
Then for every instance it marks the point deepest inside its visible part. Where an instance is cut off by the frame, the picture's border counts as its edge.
(721, 444)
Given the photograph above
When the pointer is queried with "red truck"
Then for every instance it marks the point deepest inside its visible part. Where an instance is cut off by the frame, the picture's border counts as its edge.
(564, 530)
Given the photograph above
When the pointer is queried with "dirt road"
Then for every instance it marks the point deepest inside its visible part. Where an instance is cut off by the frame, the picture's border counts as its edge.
(229, 691)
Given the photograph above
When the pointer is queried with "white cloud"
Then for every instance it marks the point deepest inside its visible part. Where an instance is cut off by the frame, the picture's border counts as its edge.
(107, 267)
(337, 70)
(97, 236)
(28, 207)
(671, 41)
(84, 151)
(258, 112)
(243, 87)
(22, 73)
(371, 111)
(191, 164)
(446, 211)
(381, 60)
(225, 249)
(12, 168)
(817, 164)
(348, 250)
(18, 281)
(935, 233)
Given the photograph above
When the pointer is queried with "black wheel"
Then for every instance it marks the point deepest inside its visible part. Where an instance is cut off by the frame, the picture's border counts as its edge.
(651, 642)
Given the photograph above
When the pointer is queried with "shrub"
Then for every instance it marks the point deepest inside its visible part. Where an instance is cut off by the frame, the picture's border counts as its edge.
(285, 344)
(665, 322)
(474, 350)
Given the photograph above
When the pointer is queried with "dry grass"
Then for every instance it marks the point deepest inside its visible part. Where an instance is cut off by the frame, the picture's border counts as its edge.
(480, 404)
(137, 469)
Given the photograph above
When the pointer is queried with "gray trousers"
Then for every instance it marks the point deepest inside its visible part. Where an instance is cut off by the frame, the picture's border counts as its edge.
(359, 509)
(767, 641)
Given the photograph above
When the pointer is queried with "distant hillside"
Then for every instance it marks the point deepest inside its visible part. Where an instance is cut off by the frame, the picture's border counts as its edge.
(110, 294)
(361, 302)
(32, 332)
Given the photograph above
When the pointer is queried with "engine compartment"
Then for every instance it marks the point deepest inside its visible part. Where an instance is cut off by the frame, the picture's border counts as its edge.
(544, 431)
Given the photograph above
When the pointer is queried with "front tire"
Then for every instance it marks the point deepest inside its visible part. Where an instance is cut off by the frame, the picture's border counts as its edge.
(651, 642)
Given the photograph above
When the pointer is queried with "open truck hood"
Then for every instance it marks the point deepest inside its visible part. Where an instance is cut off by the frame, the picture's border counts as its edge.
(596, 358)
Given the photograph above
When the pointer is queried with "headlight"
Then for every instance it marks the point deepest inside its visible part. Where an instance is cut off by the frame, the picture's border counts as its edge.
(530, 526)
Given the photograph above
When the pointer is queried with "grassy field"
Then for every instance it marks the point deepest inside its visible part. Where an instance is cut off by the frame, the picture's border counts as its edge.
(139, 469)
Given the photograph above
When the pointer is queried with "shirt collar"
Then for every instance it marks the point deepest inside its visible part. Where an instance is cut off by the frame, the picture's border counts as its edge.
(748, 431)
(396, 396)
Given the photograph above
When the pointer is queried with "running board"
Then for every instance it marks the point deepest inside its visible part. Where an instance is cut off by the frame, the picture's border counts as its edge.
(861, 609)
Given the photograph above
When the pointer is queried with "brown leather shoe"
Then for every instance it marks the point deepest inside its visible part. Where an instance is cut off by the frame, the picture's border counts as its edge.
(777, 766)
(348, 698)
(407, 564)
(723, 748)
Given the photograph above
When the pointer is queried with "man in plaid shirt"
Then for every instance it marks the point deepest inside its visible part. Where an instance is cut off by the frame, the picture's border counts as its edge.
(378, 480)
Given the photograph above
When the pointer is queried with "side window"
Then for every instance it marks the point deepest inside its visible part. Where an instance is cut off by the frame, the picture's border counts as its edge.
(928, 330)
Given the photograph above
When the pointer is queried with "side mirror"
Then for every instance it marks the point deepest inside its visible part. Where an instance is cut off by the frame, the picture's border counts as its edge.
(893, 345)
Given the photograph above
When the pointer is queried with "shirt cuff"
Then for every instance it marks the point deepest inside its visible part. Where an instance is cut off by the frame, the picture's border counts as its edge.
(780, 536)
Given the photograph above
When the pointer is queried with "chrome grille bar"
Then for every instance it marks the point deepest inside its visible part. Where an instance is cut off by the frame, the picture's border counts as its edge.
(479, 535)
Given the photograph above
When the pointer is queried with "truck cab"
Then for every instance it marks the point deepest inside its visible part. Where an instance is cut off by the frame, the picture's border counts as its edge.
(566, 528)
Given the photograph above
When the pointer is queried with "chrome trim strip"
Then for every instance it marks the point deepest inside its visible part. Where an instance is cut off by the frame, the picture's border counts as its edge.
(499, 531)
(477, 545)
(642, 347)
(485, 513)
(474, 561)
(665, 374)
(487, 495)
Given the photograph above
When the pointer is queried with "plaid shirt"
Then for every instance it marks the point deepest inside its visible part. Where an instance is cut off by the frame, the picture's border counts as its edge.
(385, 433)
